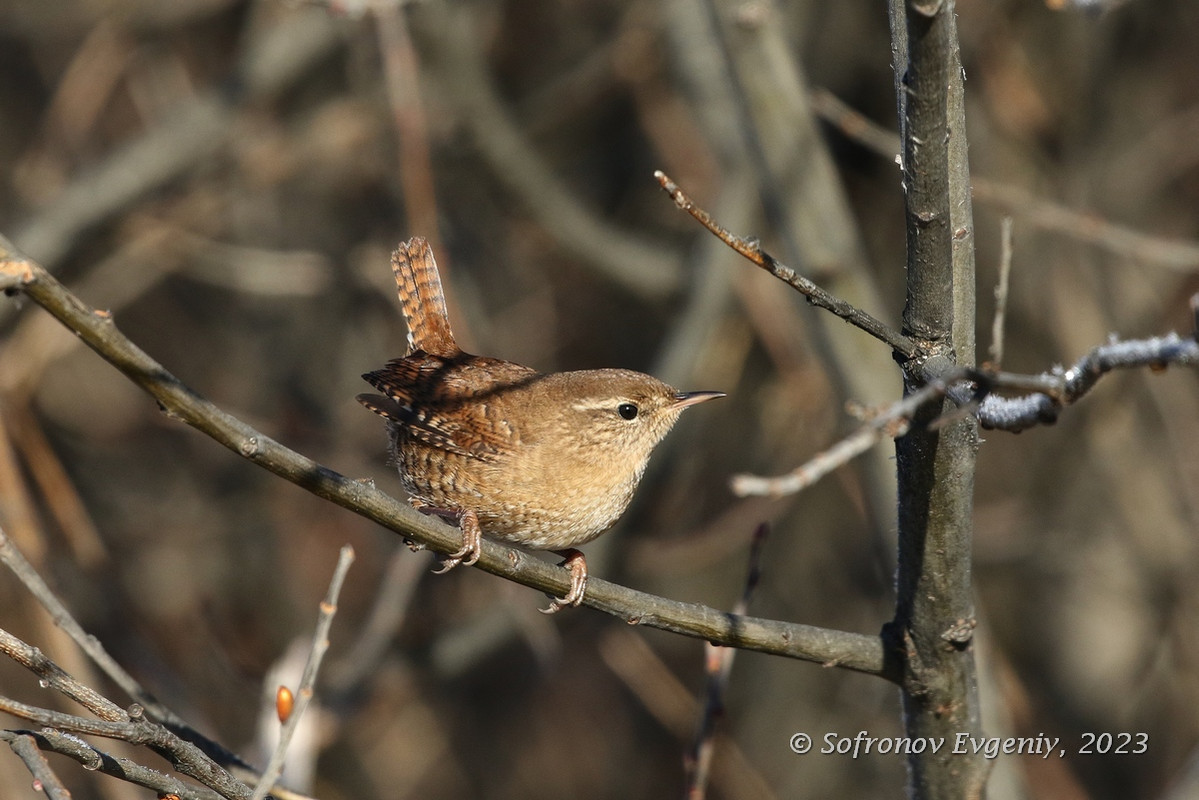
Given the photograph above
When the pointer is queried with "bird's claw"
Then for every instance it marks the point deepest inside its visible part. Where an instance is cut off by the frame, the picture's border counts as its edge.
(578, 583)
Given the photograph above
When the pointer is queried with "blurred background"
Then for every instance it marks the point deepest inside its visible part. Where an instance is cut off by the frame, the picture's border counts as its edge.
(228, 178)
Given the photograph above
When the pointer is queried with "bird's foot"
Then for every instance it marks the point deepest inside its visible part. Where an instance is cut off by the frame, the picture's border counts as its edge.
(472, 535)
(578, 582)
(472, 544)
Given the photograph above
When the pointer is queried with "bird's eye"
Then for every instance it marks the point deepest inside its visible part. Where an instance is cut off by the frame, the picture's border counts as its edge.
(627, 410)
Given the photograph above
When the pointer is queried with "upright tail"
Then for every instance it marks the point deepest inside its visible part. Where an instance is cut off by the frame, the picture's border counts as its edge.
(422, 299)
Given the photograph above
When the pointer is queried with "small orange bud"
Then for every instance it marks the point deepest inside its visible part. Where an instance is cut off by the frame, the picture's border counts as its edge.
(285, 701)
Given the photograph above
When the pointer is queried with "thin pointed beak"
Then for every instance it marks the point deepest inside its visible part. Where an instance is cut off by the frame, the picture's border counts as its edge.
(684, 399)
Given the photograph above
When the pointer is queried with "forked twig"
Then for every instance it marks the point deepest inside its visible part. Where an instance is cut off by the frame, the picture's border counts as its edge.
(190, 753)
(975, 391)
(1050, 392)
(93, 758)
(1055, 390)
(136, 729)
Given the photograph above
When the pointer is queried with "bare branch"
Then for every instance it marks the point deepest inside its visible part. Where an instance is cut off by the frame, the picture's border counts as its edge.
(320, 644)
(1054, 391)
(44, 779)
(974, 392)
(93, 759)
(891, 423)
(12, 558)
(96, 328)
(184, 756)
(752, 250)
(51, 676)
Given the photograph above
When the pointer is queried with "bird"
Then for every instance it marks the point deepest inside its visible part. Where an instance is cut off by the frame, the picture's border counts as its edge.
(545, 461)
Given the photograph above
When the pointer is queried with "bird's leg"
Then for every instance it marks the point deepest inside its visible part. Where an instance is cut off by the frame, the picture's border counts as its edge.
(472, 548)
(472, 542)
(578, 581)
(472, 535)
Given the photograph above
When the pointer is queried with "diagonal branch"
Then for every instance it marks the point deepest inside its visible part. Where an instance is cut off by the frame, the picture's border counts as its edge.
(96, 328)
(94, 759)
(184, 756)
(25, 746)
(893, 422)
(16, 562)
(752, 249)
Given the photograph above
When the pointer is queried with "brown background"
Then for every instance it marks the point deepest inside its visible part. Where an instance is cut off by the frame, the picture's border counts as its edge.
(228, 178)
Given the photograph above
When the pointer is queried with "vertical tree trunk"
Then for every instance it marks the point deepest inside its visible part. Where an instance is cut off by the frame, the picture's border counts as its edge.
(934, 621)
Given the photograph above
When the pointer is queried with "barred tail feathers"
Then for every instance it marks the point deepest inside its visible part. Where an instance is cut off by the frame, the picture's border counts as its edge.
(422, 299)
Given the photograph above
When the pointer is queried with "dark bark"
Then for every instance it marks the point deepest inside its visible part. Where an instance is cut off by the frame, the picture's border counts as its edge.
(933, 628)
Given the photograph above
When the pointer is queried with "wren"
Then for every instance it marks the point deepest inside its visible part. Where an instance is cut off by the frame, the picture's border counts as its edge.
(544, 461)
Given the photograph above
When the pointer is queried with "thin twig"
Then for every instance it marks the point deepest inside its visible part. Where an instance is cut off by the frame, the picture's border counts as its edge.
(1035, 212)
(184, 756)
(891, 423)
(1048, 394)
(12, 558)
(94, 759)
(1001, 290)
(320, 644)
(44, 779)
(752, 250)
(718, 665)
(667, 700)
(51, 676)
(854, 651)
(389, 607)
